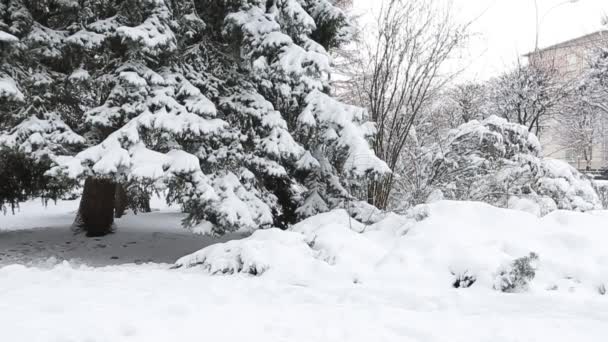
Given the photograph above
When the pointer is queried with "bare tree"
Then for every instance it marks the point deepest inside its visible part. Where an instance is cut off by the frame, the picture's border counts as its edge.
(459, 104)
(399, 69)
(584, 113)
(579, 124)
(527, 95)
(344, 4)
(596, 78)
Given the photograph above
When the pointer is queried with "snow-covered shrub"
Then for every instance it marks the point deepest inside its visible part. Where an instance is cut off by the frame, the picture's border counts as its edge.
(418, 213)
(570, 189)
(525, 204)
(501, 163)
(601, 187)
(516, 276)
(364, 212)
(463, 280)
(602, 289)
(339, 242)
(254, 255)
(328, 242)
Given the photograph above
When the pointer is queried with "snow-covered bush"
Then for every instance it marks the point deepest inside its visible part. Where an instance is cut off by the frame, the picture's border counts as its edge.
(500, 163)
(328, 243)
(364, 212)
(568, 188)
(463, 280)
(602, 190)
(516, 276)
(263, 250)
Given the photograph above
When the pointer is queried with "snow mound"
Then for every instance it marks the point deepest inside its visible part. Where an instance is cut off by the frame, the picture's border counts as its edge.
(338, 241)
(435, 246)
(324, 243)
(477, 239)
(265, 252)
(365, 212)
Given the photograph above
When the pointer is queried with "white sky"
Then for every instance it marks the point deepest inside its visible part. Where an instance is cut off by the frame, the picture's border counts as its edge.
(504, 29)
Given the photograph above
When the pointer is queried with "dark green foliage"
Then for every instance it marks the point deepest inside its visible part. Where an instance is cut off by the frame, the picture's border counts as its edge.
(463, 280)
(280, 187)
(138, 197)
(516, 276)
(23, 177)
(102, 87)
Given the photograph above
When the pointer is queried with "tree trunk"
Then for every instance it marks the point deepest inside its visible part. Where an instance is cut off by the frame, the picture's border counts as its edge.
(96, 212)
(121, 201)
(145, 205)
(379, 192)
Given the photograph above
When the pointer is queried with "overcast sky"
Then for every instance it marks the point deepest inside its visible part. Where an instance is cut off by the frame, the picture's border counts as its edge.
(504, 29)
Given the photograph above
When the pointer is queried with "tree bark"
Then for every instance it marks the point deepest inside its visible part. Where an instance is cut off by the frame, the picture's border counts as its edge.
(96, 212)
(145, 205)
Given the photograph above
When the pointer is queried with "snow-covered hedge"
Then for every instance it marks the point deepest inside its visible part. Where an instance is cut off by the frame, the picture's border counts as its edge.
(441, 245)
(501, 163)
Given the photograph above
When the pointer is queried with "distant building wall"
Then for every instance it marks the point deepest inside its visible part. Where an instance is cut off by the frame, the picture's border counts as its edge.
(570, 59)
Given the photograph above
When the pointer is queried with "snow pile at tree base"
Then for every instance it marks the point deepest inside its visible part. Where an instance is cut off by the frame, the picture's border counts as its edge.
(440, 245)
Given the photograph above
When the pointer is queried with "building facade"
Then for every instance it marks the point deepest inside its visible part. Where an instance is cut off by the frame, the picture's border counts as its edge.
(569, 60)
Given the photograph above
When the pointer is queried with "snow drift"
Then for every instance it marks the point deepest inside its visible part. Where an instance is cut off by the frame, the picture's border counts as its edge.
(439, 245)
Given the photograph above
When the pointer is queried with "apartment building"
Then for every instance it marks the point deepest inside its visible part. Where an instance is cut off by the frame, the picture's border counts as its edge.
(569, 59)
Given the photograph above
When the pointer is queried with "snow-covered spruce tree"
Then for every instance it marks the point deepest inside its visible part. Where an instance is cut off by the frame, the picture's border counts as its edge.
(224, 103)
(284, 46)
(33, 96)
(498, 162)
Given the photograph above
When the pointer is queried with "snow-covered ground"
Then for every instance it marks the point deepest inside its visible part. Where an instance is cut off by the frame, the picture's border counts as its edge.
(329, 279)
(37, 233)
(150, 303)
